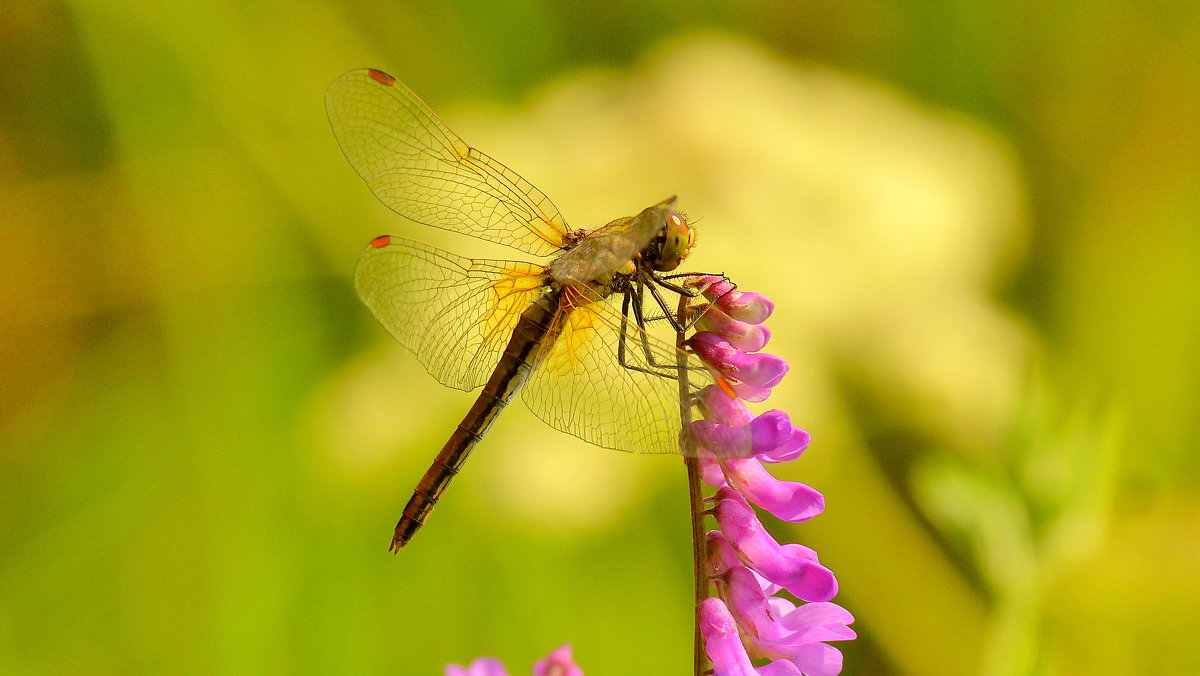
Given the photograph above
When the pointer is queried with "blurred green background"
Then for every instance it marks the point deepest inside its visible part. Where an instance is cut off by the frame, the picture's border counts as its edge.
(980, 222)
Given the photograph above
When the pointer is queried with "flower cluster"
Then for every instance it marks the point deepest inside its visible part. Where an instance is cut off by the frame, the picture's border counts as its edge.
(747, 620)
(557, 663)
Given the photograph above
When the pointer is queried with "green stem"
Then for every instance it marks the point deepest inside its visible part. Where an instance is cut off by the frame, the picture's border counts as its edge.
(695, 497)
(696, 500)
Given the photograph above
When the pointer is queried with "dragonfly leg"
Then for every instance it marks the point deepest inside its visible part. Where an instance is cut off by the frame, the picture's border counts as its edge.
(639, 308)
(721, 275)
(652, 366)
(638, 304)
(692, 293)
(678, 323)
(667, 314)
(681, 290)
(624, 331)
(633, 300)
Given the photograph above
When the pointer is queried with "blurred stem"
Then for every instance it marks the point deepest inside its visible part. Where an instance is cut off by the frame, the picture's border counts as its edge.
(695, 496)
(696, 500)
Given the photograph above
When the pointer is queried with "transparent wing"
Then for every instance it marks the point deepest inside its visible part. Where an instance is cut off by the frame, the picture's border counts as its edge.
(580, 386)
(423, 171)
(456, 314)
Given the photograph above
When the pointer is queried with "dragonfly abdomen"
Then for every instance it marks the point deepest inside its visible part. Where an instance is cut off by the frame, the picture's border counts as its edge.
(510, 373)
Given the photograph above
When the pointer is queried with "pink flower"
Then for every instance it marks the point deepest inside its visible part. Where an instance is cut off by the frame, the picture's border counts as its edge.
(751, 308)
(741, 335)
(792, 566)
(770, 436)
(801, 635)
(775, 622)
(805, 655)
(722, 557)
(788, 500)
(483, 666)
(722, 408)
(557, 663)
(722, 643)
(788, 450)
(812, 621)
(711, 473)
(749, 567)
(751, 375)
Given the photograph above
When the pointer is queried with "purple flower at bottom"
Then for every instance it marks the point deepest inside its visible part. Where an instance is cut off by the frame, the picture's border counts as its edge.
(482, 666)
(558, 663)
(775, 627)
(820, 621)
(723, 644)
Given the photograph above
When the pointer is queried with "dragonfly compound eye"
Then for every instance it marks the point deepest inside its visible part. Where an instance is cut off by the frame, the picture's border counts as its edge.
(677, 242)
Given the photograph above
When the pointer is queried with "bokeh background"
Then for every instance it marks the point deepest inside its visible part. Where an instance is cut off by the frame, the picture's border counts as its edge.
(980, 222)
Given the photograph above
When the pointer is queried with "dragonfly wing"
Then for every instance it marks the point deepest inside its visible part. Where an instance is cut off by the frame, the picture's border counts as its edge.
(580, 386)
(423, 171)
(456, 314)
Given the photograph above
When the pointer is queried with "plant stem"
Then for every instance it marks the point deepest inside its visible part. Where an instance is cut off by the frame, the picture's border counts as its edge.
(696, 500)
(695, 496)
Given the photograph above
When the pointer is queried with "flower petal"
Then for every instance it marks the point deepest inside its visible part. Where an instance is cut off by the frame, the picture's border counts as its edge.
(714, 286)
(788, 450)
(793, 567)
(771, 430)
(722, 441)
(711, 473)
(722, 408)
(788, 500)
(754, 308)
(780, 668)
(722, 643)
(722, 557)
(747, 602)
(757, 371)
(813, 622)
(760, 369)
(749, 392)
(768, 435)
(816, 659)
(558, 663)
(747, 307)
(742, 335)
(482, 666)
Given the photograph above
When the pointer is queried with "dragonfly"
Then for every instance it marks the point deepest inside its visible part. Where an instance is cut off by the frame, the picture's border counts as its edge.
(572, 334)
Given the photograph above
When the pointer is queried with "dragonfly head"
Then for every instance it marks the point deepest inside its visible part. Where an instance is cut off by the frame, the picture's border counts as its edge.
(674, 242)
